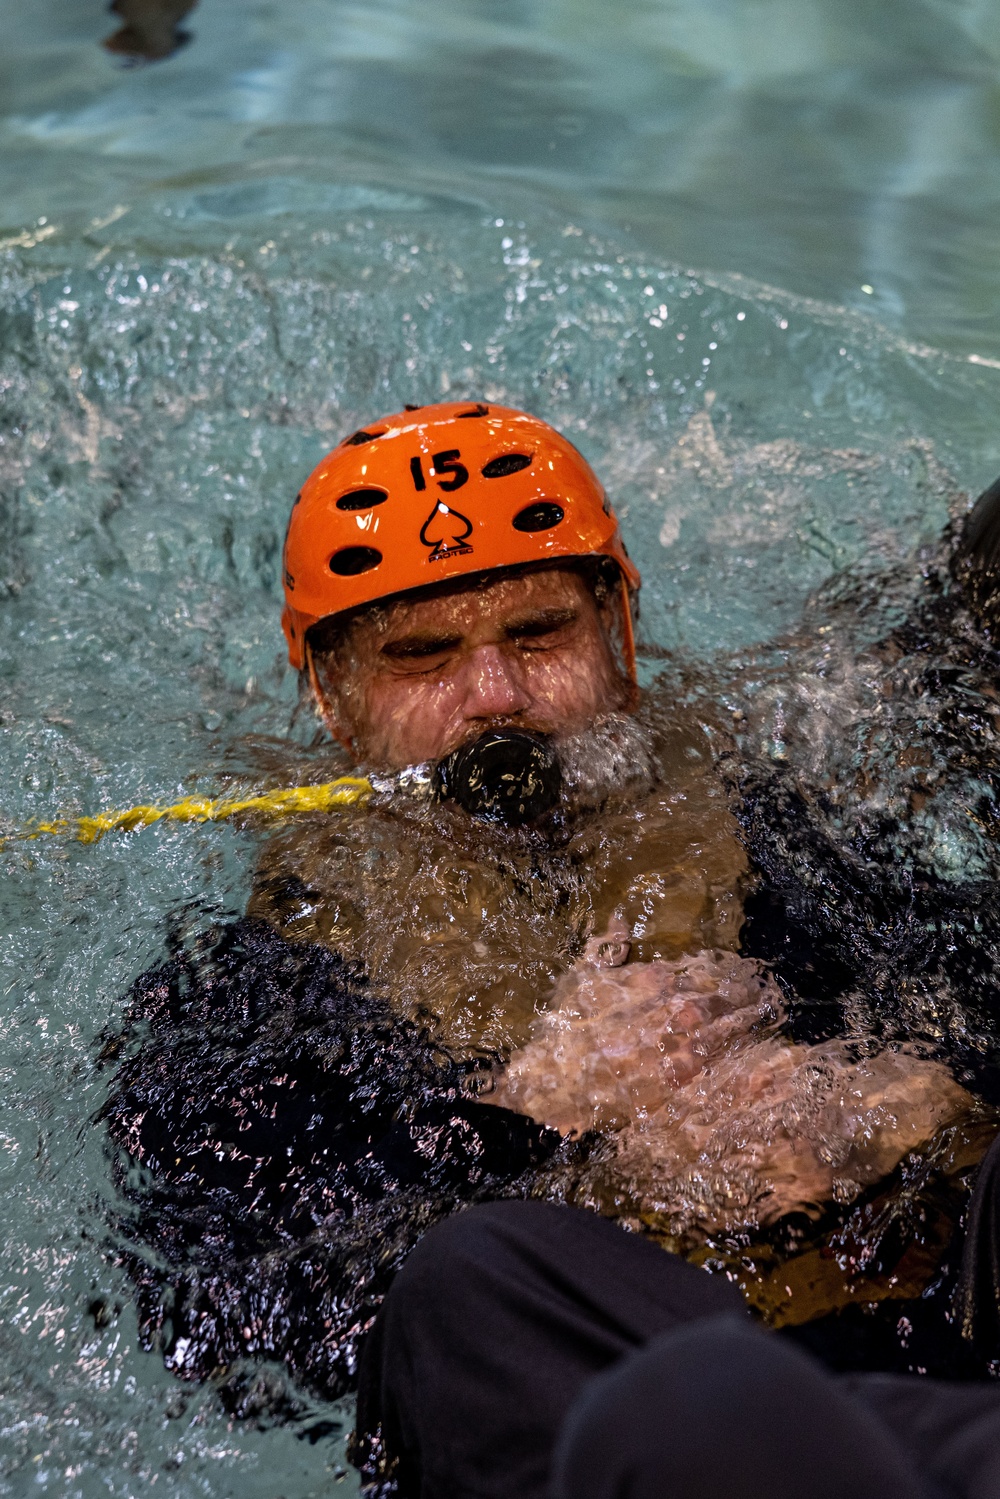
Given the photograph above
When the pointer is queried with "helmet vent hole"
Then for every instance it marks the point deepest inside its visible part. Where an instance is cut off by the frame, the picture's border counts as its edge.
(478, 410)
(507, 463)
(350, 561)
(357, 438)
(362, 499)
(540, 517)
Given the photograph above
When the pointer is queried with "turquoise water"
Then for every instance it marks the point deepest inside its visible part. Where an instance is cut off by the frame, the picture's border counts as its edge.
(745, 254)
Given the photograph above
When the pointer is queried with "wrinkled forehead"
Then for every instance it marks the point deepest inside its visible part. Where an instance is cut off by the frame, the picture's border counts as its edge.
(464, 604)
(490, 597)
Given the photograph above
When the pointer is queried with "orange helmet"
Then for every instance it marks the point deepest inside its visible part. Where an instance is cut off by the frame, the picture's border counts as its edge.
(438, 492)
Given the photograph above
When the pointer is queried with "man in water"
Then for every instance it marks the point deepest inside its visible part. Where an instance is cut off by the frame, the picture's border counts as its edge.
(460, 600)
(457, 590)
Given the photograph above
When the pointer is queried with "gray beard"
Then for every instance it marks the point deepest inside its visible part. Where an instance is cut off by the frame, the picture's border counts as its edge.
(611, 759)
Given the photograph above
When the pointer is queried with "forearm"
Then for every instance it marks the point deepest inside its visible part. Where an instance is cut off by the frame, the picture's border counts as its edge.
(785, 1129)
(619, 1040)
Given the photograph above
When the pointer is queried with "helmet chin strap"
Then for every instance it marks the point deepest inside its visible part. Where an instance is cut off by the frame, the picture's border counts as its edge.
(628, 646)
(628, 631)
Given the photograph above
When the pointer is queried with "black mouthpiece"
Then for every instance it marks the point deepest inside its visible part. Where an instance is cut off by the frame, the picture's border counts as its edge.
(505, 776)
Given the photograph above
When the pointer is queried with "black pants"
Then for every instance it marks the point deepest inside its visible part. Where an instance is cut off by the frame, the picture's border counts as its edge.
(528, 1351)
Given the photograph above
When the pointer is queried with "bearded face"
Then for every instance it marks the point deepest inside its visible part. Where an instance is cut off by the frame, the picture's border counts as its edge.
(416, 679)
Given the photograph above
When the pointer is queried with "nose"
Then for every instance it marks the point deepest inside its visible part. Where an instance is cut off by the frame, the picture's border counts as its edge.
(491, 685)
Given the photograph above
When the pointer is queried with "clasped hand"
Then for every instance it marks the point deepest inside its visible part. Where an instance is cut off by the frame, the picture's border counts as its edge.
(718, 1119)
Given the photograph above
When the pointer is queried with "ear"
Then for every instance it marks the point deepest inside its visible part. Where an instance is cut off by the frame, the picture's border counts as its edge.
(329, 707)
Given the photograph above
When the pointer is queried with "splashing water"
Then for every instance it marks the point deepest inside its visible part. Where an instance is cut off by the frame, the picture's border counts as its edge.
(168, 375)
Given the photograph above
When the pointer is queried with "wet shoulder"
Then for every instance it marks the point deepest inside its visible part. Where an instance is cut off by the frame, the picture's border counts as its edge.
(462, 928)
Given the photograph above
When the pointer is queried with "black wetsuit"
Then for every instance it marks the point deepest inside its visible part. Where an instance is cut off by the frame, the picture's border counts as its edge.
(533, 1351)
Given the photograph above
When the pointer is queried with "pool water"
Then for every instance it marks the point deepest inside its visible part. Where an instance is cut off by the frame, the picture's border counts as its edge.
(744, 255)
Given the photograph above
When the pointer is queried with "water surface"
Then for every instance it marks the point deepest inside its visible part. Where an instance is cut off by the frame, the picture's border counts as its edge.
(214, 267)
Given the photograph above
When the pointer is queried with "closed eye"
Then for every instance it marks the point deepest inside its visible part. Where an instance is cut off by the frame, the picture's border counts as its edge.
(417, 647)
(538, 626)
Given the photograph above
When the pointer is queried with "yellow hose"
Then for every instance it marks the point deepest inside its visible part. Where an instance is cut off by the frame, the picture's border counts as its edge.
(345, 792)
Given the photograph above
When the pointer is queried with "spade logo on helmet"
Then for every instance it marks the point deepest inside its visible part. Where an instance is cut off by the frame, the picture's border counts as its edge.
(446, 532)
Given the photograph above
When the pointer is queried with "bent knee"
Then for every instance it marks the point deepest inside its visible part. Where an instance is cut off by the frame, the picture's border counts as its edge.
(723, 1407)
(476, 1237)
(454, 1254)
